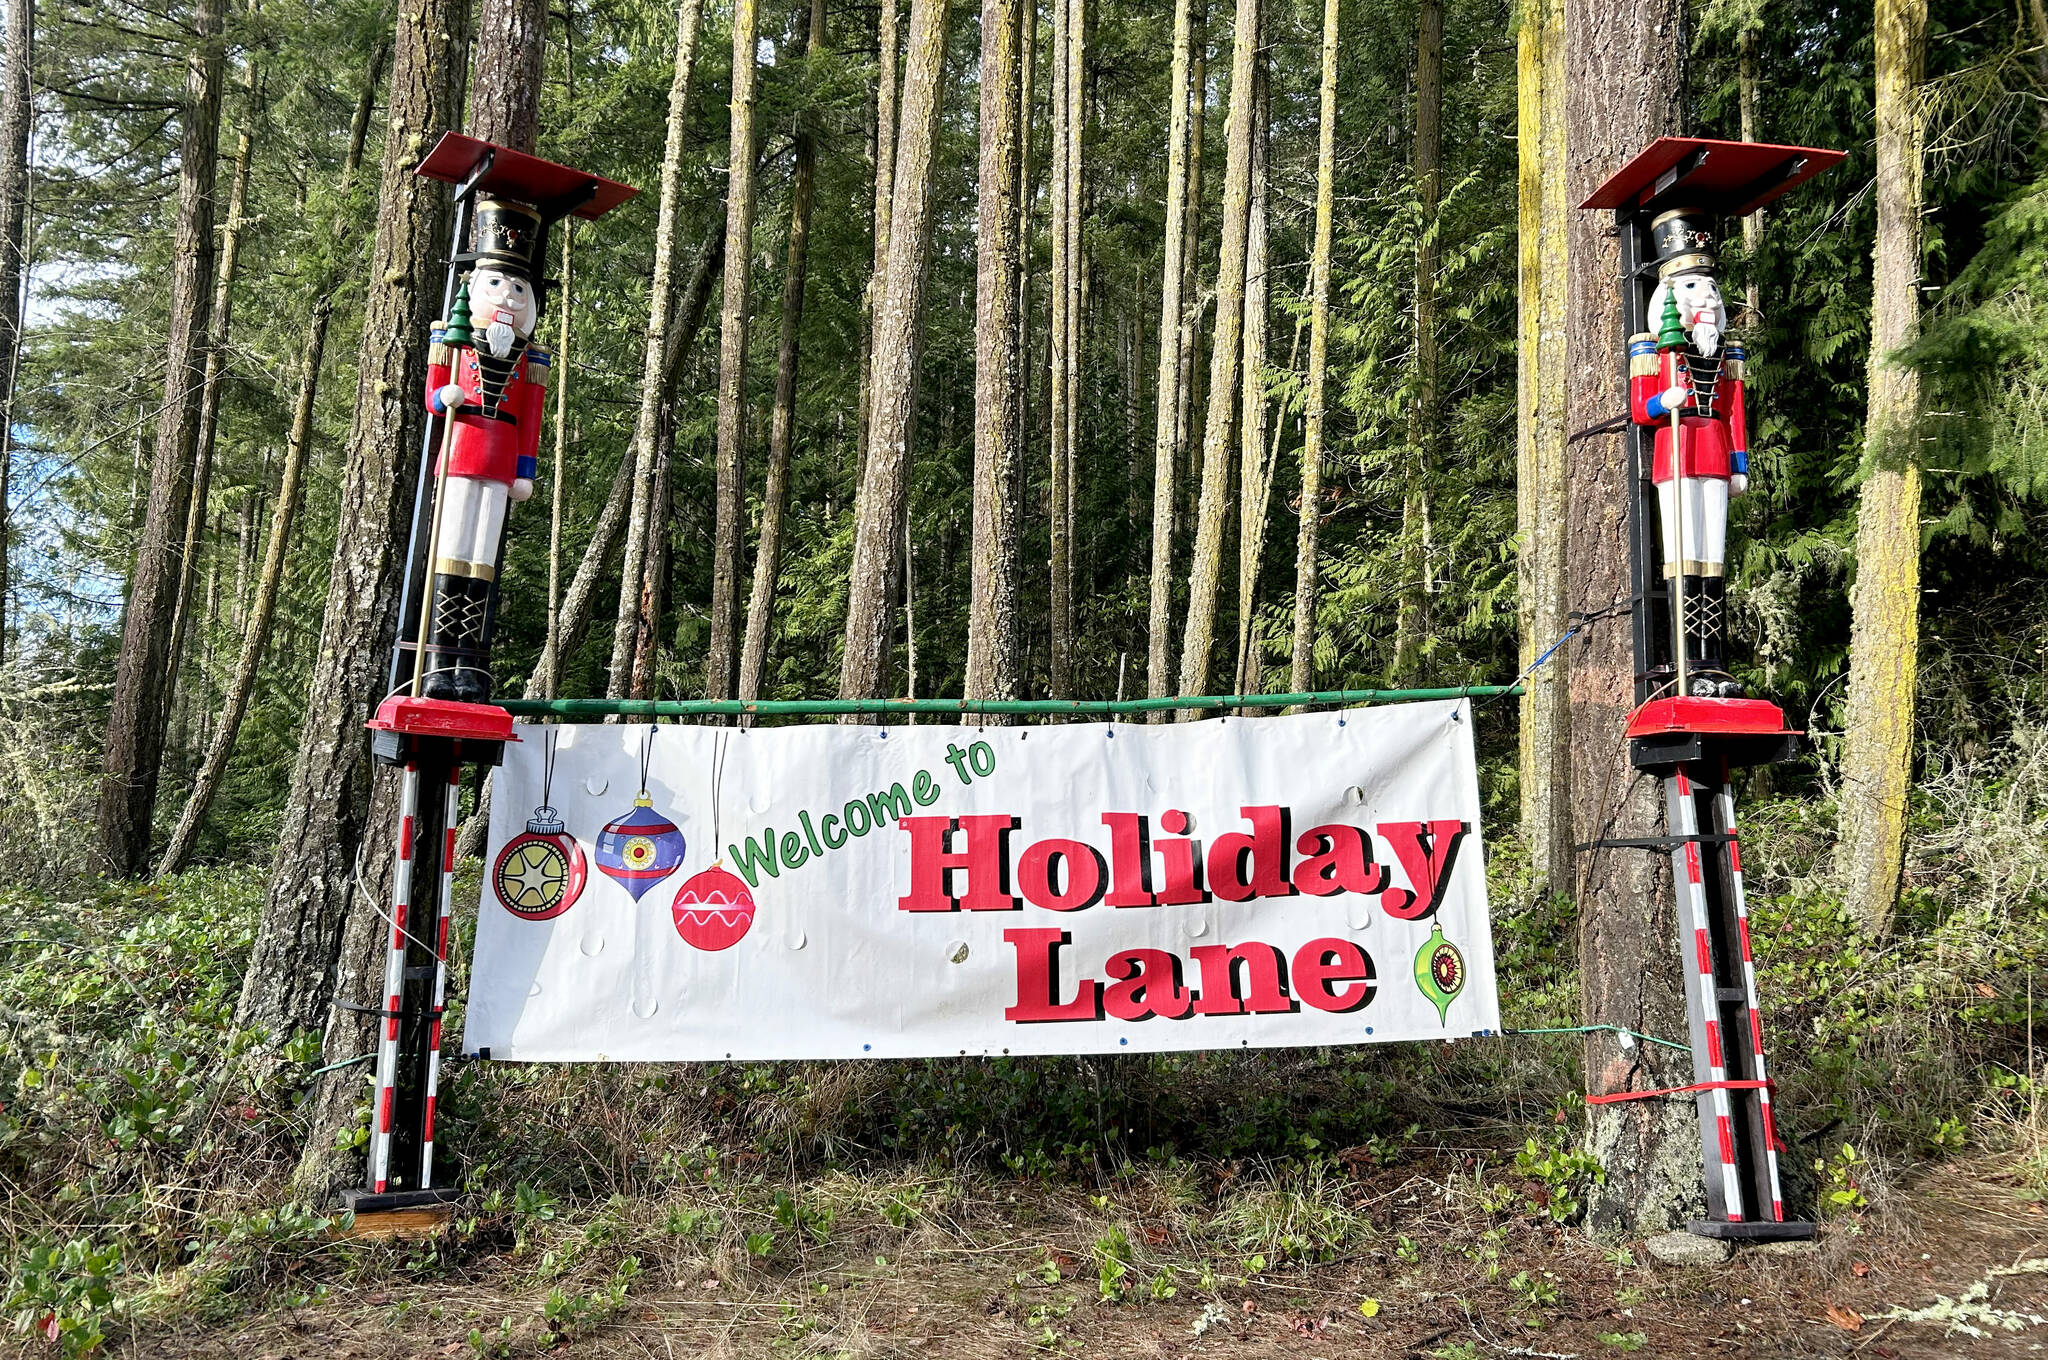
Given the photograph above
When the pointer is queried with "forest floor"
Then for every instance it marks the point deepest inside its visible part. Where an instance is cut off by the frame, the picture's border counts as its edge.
(1953, 1264)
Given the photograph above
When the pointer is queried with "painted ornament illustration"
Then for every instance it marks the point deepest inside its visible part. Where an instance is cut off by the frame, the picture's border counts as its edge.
(540, 873)
(714, 910)
(1440, 971)
(643, 847)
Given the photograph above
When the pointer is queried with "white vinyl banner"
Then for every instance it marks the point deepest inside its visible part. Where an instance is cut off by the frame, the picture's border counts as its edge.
(833, 891)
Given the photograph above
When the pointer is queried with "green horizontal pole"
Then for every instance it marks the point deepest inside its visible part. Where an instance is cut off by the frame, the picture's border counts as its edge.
(686, 708)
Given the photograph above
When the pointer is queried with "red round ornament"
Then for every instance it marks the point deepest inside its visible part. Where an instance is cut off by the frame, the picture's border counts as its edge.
(540, 872)
(713, 909)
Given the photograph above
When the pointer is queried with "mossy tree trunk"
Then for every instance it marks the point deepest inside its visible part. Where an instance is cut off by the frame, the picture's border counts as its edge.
(1884, 602)
(1545, 228)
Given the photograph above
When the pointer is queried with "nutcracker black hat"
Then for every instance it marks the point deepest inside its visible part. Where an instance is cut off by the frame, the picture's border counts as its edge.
(509, 236)
(1683, 242)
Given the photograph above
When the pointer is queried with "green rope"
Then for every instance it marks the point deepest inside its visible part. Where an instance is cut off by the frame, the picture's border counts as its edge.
(673, 708)
(1604, 1029)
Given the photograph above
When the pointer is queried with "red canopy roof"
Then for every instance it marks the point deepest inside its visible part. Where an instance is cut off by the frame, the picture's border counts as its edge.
(1730, 178)
(516, 175)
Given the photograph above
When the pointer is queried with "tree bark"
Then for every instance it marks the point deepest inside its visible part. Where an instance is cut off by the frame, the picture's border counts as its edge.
(506, 71)
(1411, 628)
(1545, 226)
(1884, 602)
(899, 336)
(998, 377)
(1068, 479)
(888, 39)
(256, 627)
(1226, 344)
(209, 388)
(1625, 83)
(292, 977)
(654, 572)
(1302, 672)
(1059, 335)
(728, 536)
(660, 302)
(1166, 415)
(1254, 467)
(142, 689)
(17, 115)
(782, 423)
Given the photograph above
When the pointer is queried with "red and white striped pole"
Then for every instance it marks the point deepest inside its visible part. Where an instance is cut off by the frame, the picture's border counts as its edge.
(449, 817)
(1724, 802)
(1683, 822)
(382, 1111)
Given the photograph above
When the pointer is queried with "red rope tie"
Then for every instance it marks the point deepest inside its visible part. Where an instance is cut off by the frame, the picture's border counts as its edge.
(1616, 1096)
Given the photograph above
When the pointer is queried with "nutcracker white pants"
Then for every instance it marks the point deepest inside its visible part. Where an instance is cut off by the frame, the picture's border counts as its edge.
(472, 518)
(1701, 504)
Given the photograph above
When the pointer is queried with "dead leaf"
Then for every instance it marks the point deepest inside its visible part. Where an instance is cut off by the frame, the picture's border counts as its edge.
(1986, 990)
(1155, 1236)
(1848, 1319)
(1860, 1269)
(378, 1300)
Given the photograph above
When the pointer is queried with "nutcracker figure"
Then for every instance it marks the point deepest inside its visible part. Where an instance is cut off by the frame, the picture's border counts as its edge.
(1686, 380)
(486, 384)
(1687, 451)
(487, 377)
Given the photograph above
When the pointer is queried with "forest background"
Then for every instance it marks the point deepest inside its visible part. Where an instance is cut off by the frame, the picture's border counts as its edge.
(198, 208)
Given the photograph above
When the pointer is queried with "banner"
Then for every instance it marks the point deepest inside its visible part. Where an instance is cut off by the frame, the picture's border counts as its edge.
(833, 891)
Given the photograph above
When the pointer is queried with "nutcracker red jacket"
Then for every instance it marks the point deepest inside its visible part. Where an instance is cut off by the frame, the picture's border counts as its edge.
(1715, 443)
(492, 448)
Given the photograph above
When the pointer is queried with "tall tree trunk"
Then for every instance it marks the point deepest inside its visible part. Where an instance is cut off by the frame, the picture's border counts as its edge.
(1226, 346)
(1059, 334)
(782, 424)
(292, 976)
(1027, 42)
(1884, 603)
(1189, 332)
(1302, 673)
(1254, 469)
(17, 113)
(1746, 107)
(1065, 565)
(899, 343)
(1625, 84)
(998, 376)
(654, 574)
(142, 690)
(503, 107)
(257, 626)
(1545, 228)
(558, 481)
(579, 602)
(660, 302)
(1166, 422)
(728, 537)
(1411, 628)
(209, 388)
(888, 39)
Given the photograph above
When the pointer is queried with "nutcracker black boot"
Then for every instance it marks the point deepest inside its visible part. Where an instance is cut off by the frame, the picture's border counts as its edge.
(1706, 638)
(455, 639)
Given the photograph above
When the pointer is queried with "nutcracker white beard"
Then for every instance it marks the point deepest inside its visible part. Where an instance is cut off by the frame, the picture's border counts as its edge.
(1700, 309)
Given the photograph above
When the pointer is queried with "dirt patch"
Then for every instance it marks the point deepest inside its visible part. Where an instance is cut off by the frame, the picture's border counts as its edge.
(1165, 1268)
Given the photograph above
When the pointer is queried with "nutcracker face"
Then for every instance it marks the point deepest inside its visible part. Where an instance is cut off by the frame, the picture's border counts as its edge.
(500, 299)
(1700, 309)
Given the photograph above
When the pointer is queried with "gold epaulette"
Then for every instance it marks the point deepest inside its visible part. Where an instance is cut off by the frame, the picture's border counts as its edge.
(540, 368)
